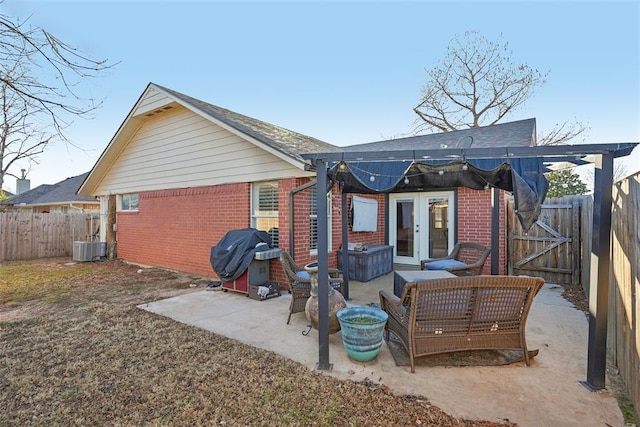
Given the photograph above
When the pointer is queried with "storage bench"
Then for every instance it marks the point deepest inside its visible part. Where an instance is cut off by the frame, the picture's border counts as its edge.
(376, 261)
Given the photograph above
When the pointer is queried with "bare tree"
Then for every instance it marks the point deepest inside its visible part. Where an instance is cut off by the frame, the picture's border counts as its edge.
(562, 133)
(20, 139)
(477, 84)
(41, 80)
(620, 171)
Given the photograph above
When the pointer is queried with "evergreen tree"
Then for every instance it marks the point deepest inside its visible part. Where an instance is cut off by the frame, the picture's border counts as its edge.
(565, 183)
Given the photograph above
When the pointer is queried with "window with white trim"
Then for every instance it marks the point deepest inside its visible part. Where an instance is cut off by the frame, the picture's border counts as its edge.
(264, 208)
(128, 202)
(313, 220)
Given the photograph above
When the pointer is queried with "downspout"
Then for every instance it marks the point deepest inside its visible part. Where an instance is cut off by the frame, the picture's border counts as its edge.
(291, 221)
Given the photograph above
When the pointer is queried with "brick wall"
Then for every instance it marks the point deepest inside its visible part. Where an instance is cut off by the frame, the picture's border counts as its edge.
(369, 237)
(474, 222)
(176, 228)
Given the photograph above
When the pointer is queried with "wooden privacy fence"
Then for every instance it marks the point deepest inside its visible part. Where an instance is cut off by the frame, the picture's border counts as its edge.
(623, 335)
(557, 246)
(25, 235)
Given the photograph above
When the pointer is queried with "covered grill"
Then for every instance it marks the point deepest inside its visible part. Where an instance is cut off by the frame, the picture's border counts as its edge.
(241, 261)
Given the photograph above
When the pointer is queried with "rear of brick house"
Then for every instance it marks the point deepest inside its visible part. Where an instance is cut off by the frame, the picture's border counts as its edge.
(182, 173)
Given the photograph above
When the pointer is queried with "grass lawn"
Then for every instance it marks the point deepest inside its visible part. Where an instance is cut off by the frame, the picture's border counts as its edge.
(76, 351)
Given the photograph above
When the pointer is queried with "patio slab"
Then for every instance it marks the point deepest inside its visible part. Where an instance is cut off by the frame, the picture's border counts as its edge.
(546, 393)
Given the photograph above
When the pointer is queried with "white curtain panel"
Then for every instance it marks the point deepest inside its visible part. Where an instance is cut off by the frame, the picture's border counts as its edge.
(365, 214)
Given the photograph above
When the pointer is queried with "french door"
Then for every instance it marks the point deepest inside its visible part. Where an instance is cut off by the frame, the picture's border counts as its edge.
(421, 225)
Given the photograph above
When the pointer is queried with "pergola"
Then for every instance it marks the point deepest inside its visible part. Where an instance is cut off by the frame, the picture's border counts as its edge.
(425, 170)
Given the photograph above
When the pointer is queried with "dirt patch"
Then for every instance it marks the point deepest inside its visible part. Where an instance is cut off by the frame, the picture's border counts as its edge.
(576, 296)
(458, 358)
(77, 351)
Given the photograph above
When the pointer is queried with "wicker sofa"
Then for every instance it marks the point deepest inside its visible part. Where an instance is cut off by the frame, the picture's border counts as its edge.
(461, 313)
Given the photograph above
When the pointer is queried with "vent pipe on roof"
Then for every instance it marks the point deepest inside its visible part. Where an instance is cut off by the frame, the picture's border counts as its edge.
(23, 184)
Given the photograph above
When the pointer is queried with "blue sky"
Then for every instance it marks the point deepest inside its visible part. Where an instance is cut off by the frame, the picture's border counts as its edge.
(343, 72)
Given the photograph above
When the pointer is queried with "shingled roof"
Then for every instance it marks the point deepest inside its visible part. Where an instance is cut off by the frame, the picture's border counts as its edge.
(286, 141)
(52, 194)
(520, 133)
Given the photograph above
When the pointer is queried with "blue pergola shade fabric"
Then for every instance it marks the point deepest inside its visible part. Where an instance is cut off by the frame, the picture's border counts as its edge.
(524, 177)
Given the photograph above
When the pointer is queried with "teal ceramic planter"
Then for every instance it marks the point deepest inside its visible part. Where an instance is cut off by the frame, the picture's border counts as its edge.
(362, 331)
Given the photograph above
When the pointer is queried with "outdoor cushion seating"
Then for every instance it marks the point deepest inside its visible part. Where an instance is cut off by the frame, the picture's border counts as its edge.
(303, 275)
(466, 259)
(444, 264)
(300, 283)
(461, 313)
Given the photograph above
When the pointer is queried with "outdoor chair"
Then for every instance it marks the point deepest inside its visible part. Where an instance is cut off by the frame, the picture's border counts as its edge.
(300, 284)
(466, 259)
(461, 313)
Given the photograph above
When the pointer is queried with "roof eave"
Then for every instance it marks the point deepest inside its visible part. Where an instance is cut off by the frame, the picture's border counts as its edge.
(111, 151)
(548, 152)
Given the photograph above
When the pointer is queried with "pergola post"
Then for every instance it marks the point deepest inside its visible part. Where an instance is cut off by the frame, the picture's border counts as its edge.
(599, 276)
(495, 231)
(323, 270)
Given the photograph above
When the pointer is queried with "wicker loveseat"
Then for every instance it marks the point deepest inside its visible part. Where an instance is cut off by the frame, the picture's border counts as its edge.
(461, 313)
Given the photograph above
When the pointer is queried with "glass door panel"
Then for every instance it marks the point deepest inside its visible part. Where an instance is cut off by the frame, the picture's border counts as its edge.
(438, 227)
(404, 228)
(421, 225)
(403, 232)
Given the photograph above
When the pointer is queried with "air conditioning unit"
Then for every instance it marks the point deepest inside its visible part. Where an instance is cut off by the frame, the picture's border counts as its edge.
(89, 251)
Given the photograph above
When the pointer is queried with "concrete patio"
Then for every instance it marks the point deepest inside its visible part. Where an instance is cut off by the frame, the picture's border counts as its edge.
(548, 393)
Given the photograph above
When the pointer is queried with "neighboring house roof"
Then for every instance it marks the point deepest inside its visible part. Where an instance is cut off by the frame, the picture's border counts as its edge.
(520, 133)
(63, 192)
